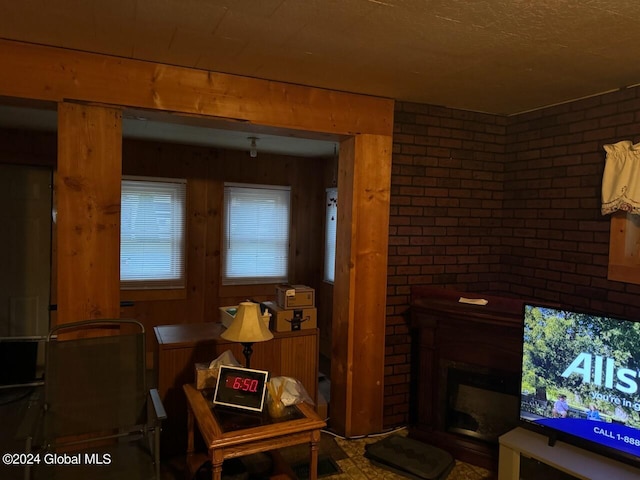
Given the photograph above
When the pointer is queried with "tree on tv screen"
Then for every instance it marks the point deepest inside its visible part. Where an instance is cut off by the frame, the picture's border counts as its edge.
(556, 339)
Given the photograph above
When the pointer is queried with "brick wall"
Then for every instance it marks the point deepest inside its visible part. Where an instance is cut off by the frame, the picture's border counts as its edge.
(445, 220)
(501, 205)
(556, 240)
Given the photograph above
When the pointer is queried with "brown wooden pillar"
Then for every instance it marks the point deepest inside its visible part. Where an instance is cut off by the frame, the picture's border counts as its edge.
(359, 299)
(88, 186)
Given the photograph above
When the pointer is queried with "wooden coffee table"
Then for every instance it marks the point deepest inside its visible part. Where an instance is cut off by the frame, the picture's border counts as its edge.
(228, 434)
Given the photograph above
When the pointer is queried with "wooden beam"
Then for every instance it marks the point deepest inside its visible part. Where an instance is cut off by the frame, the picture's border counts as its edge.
(359, 308)
(89, 168)
(55, 74)
(88, 212)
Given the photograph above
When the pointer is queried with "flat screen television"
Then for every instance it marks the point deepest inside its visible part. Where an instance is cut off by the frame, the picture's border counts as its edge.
(580, 380)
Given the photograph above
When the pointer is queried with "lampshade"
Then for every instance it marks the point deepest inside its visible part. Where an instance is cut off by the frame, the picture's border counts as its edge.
(247, 325)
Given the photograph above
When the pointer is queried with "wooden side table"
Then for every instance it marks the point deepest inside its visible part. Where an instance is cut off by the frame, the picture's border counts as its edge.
(228, 439)
(178, 347)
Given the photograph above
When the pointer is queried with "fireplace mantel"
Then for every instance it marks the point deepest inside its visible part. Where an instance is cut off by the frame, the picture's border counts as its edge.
(476, 337)
(500, 310)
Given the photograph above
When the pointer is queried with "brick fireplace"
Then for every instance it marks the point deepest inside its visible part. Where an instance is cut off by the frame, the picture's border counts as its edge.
(466, 372)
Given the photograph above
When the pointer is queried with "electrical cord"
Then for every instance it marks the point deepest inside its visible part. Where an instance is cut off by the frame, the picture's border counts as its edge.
(369, 435)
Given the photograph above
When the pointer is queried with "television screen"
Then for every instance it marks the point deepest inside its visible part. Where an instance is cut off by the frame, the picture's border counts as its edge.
(580, 377)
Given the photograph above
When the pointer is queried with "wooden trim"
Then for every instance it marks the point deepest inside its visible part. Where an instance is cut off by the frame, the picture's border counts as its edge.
(341, 364)
(54, 74)
(153, 294)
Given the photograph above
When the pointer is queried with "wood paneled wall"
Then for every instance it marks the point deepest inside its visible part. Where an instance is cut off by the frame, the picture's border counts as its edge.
(206, 170)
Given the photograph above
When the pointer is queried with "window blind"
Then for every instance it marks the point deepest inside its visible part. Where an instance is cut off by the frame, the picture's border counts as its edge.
(331, 222)
(152, 235)
(256, 234)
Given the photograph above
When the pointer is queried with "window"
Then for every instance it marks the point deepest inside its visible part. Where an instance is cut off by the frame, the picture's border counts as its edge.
(331, 221)
(256, 234)
(152, 233)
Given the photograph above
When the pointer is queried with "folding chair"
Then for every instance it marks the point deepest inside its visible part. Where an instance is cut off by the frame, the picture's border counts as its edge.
(97, 409)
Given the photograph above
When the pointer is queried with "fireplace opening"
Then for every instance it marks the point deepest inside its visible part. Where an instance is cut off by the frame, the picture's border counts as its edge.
(480, 403)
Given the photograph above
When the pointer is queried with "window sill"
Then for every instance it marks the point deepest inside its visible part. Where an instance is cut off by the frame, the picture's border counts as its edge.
(153, 294)
(248, 291)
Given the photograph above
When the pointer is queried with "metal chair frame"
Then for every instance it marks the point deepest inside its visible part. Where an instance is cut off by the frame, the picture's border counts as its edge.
(43, 439)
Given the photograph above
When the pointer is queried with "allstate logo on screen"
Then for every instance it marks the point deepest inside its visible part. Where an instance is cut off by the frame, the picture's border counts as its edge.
(600, 371)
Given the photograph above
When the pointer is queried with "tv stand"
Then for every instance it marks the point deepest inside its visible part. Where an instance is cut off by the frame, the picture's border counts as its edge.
(567, 458)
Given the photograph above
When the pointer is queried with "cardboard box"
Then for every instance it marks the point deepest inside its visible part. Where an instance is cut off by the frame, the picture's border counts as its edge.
(295, 296)
(287, 320)
(227, 314)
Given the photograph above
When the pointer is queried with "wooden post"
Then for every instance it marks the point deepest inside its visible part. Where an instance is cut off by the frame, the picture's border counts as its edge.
(359, 302)
(88, 212)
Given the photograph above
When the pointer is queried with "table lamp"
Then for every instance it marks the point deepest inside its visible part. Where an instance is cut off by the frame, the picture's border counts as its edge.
(247, 328)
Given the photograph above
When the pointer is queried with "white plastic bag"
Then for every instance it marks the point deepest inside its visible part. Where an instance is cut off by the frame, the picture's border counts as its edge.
(293, 392)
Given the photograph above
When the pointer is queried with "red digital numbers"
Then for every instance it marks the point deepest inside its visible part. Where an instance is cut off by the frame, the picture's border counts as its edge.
(242, 383)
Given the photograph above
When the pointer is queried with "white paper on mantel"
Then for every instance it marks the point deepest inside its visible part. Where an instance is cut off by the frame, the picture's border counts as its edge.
(473, 301)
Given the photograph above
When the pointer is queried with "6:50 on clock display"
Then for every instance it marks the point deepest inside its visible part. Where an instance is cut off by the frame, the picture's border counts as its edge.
(242, 383)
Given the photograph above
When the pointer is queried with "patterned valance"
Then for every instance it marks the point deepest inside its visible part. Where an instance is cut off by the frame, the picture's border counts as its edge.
(621, 178)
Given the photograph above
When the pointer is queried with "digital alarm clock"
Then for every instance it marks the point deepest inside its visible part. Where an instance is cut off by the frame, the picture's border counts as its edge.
(239, 387)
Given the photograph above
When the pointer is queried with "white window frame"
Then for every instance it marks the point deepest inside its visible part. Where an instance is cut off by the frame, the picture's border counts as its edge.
(331, 222)
(167, 231)
(255, 245)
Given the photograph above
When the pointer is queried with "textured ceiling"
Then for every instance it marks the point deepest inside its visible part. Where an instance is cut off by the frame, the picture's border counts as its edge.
(496, 56)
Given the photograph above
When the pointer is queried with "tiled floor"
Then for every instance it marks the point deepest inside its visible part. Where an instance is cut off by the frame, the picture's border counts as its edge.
(349, 456)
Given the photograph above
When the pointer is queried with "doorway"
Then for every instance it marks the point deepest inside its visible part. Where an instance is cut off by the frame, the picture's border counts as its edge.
(25, 276)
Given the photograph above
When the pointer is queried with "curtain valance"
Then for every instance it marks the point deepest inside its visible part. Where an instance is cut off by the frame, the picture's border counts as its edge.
(621, 178)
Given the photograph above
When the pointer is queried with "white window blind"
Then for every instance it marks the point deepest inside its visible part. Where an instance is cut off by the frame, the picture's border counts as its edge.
(152, 233)
(256, 234)
(331, 221)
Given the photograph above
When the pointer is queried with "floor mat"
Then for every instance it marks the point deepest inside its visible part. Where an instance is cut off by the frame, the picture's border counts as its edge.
(410, 458)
